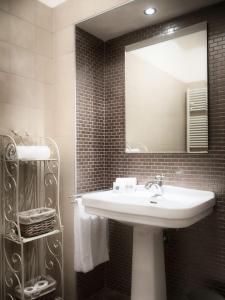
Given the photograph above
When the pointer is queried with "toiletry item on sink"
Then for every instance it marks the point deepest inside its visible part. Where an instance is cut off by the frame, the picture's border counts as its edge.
(125, 184)
(90, 238)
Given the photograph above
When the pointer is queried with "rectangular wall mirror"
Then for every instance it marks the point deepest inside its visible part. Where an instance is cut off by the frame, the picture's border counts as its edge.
(166, 93)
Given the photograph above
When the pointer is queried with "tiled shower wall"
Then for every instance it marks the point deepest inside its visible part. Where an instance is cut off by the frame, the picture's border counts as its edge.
(195, 257)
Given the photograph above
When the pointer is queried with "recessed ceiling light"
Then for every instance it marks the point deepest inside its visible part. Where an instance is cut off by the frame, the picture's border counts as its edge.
(52, 3)
(150, 11)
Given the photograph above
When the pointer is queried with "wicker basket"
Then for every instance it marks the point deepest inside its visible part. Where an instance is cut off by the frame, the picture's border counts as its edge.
(37, 221)
(46, 293)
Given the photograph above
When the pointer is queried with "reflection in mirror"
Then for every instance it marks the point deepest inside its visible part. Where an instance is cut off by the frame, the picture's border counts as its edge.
(166, 93)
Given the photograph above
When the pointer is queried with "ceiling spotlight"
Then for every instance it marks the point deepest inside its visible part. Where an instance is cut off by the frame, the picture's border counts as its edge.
(150, 11)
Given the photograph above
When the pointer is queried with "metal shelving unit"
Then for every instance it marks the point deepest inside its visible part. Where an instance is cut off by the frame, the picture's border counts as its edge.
(26, 185)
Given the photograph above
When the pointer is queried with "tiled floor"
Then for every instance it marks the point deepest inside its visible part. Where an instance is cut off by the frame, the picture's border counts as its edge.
(198, 294)
(108, 295)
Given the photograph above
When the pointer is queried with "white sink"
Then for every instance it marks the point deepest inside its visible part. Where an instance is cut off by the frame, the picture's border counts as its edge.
(175, 208)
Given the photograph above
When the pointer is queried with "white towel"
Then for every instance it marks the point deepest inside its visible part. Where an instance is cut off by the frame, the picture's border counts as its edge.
(28, 152)
(91, 239)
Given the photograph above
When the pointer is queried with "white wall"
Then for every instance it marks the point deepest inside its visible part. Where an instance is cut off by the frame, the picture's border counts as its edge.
(26, 68)
(26, 65)
(63, 117)
(37, 85)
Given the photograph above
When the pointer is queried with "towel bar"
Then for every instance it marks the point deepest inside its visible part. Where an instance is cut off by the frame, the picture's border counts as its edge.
(74, 197)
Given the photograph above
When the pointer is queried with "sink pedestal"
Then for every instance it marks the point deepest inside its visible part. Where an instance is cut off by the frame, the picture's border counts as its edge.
(177, 208)
(148, 269)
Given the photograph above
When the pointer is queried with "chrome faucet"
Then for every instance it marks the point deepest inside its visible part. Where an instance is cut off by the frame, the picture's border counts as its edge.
(157, 182)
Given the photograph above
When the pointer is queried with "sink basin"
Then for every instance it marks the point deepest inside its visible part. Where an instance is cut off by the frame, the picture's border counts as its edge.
(176, 208)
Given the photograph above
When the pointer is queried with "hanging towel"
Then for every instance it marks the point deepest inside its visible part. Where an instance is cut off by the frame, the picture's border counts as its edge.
(91, 239)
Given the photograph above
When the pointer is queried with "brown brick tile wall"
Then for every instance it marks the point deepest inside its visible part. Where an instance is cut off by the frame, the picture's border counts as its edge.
(90, 112)
(90, 152)
(195, 256)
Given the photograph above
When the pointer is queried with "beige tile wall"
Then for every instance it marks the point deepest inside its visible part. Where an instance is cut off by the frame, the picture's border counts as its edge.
(65, 17)
(37, 84)
(26, 65)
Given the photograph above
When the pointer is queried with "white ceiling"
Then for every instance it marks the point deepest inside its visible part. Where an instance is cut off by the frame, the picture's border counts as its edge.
(52, 3)
(185, 57)
(130, 17)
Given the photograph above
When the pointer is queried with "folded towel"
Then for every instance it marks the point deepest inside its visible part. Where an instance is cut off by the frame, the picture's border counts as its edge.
(91, 239)
(27, 152)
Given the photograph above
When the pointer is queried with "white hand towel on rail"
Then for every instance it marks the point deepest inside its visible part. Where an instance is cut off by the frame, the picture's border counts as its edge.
(91, 239)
